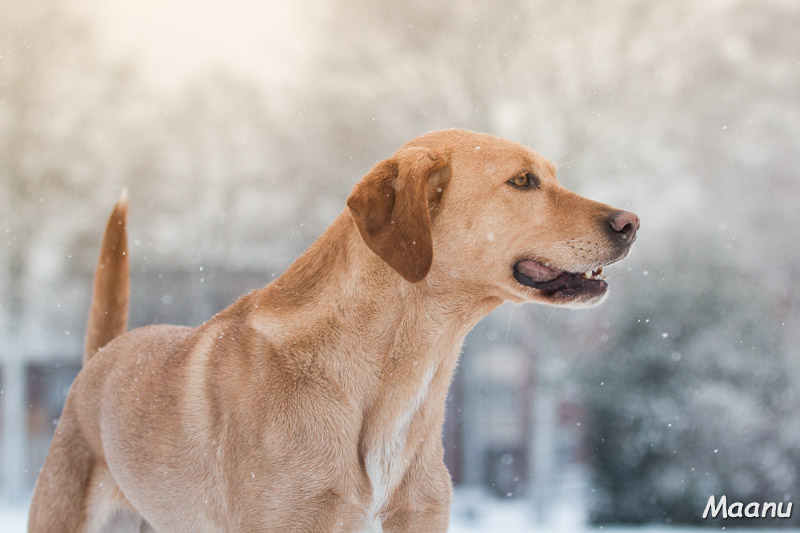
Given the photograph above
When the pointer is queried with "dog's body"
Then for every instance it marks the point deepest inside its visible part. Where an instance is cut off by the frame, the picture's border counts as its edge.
(316, 404)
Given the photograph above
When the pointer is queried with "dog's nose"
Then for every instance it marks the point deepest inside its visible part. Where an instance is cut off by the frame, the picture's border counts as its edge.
(625, 224)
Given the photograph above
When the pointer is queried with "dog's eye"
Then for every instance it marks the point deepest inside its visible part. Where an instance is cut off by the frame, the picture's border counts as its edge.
(522, 181)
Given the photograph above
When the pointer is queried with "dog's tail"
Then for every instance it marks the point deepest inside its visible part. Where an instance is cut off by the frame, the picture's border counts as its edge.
(108, 314)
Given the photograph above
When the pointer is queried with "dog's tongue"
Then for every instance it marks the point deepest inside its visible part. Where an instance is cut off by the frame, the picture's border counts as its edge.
(537, 271)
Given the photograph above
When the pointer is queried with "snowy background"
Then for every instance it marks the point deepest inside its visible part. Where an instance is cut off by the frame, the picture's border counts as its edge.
(240, 127)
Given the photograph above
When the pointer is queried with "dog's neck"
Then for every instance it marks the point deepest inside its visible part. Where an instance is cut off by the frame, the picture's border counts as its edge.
(338, 279)
(378, 335)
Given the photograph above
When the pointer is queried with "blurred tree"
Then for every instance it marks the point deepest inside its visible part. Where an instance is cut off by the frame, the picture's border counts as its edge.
(219, 182)
(692, 396)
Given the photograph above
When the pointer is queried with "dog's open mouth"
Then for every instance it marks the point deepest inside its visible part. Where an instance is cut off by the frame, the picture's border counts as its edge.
(552, 281)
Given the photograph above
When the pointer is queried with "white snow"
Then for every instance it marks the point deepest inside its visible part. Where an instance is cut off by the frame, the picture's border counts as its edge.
(13, 519)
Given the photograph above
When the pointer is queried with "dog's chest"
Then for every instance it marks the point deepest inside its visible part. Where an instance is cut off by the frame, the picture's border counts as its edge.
(385, 460)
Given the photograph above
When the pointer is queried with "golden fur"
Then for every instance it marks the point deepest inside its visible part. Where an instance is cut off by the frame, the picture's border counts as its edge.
(316, 404)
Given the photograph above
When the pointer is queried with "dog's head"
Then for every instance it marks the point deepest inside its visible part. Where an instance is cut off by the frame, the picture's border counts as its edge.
(488, 214)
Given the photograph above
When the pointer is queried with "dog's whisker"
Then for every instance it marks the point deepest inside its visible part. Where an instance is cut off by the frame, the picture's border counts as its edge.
(508, 329)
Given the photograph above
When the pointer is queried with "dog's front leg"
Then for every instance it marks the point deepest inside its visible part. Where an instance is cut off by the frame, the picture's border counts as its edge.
(422, 502)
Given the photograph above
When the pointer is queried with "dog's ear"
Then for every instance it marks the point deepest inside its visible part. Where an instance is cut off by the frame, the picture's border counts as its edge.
(390, 208)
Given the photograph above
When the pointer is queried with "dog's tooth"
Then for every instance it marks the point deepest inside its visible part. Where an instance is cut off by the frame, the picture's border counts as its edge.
(587, 274)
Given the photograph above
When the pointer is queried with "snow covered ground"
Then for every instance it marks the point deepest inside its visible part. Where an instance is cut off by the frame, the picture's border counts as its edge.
(490, 516)
(13, 520)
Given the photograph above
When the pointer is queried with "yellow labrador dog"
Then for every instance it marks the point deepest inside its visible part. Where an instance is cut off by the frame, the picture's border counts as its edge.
(316, 403)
